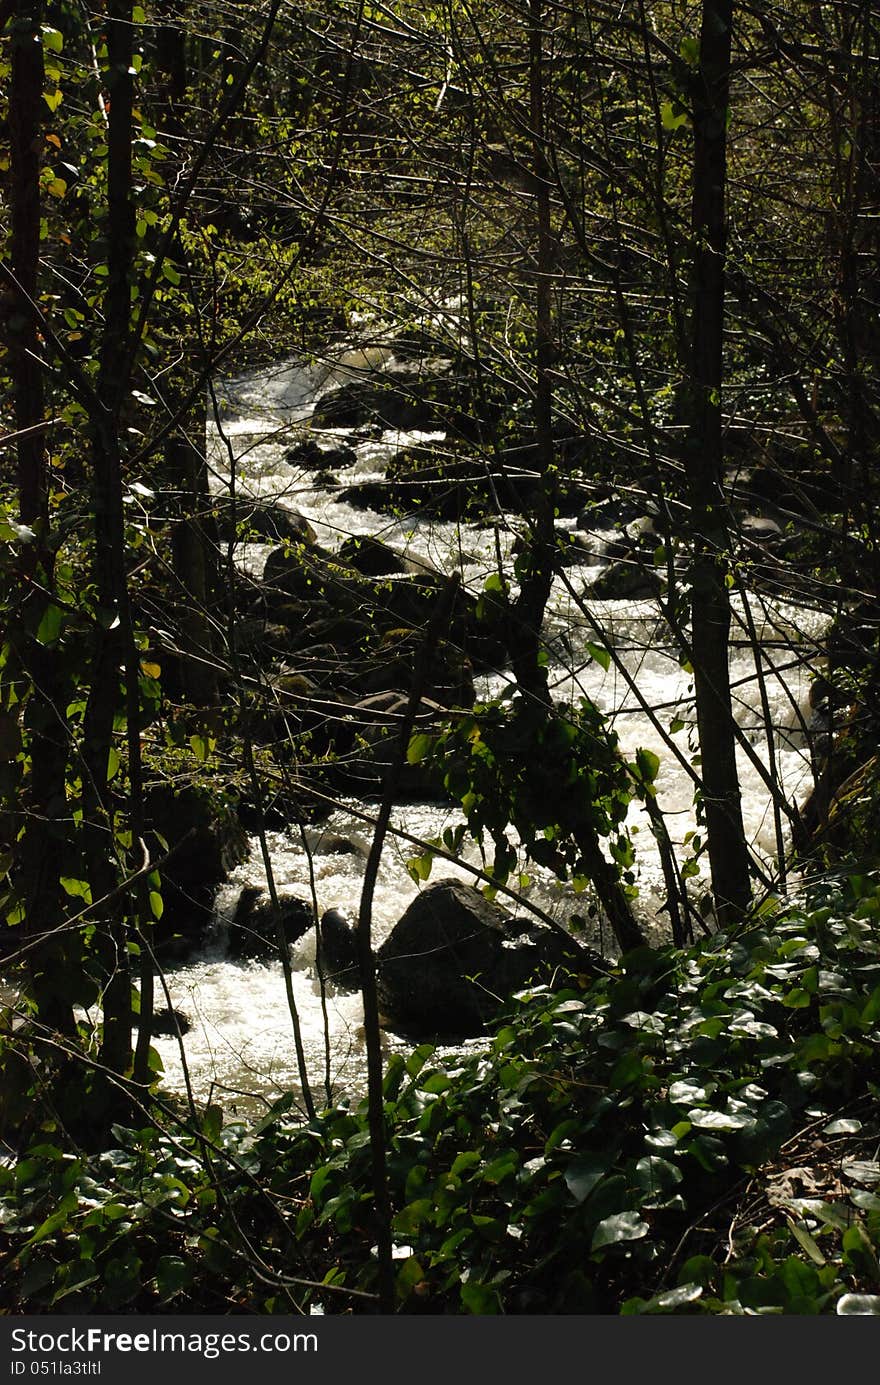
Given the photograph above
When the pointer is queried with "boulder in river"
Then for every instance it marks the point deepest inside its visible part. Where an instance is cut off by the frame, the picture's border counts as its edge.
(339, 950)
(404, 399)
(626, 581)
(253, 931)
(314, 456)
(266, 519)
(454, 958)
(207, 842)
(371, 557)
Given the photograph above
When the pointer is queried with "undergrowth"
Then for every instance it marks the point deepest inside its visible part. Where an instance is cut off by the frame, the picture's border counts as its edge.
(694, 1132)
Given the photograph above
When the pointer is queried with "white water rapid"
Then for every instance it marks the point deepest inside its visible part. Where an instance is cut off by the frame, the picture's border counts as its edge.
(241, 1041)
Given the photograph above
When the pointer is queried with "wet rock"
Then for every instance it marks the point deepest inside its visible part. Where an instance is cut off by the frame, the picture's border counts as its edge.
(405, 400)
(454, 957)
(449, 677)
(299, 574)
(633, 581)
(311, 455)
(339, 950)
(440, 479)
(262, 519)
(169, 1021)
(209, 842)
(367, 495)
(252, 931)
(367, 744)
(371, 557)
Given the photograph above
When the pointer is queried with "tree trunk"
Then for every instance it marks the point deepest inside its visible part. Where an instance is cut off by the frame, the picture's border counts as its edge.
(704, 460)
(114, 644)
(43, 804)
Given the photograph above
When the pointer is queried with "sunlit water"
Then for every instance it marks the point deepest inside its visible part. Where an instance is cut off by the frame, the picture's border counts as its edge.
(240, 1048)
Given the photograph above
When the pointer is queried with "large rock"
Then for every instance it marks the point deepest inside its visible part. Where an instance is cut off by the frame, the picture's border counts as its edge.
(314, 456)
(367, 744)
(208, 841)
(339, 951)
(626, 581)
(406, 400)
(371, 557)
(454, 957)
(265, 519)
(253, 931)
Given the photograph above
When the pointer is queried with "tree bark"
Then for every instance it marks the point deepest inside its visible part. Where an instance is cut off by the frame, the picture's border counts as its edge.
(704, 461)
(43, 803)
(113, 651)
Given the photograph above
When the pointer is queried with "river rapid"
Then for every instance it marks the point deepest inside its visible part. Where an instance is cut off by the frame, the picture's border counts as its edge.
(239, 1051)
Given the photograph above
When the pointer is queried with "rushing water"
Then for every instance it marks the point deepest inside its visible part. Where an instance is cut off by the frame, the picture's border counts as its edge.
(241, 1040)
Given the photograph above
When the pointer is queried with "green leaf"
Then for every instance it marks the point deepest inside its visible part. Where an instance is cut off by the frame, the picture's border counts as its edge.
(172, 1275)
(623, 1226)
(77, 889)
(409, 1276)
(53, 40)
(843, 1127)
(411, 1217)
(656, 1175)
(419, 748)
(871, 1012)
(673, 115)
(599, 655)
(851, 1304)
(156, 904)
(418, 1058)
(419, 867)
(49, 627)
(212, 1122)
(806, 1242)
(493, 583)
(170, 273)
(648, 764)
(672, 1299)
(80, 1274)
(200, 747)
(583, 1173)
(480, 1298)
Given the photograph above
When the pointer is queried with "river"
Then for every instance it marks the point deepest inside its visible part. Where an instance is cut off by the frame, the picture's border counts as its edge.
(240, 1051)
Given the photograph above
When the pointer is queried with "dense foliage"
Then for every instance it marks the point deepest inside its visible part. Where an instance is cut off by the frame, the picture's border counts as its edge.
(696, 1131)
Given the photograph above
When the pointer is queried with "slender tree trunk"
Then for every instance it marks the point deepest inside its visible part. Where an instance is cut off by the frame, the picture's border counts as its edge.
(537, 564)
(114, 644)
(43, 804)
(704, 459)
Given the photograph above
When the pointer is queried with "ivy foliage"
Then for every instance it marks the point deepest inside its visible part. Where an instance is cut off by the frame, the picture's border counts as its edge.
(693, 1133)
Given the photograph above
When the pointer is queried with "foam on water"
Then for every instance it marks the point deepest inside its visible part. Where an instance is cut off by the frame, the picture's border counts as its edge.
(241, 1039)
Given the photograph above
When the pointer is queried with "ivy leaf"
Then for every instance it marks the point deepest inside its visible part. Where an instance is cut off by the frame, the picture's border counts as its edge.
(623, 1226)
(647, 764)
(862, 1304)
(583, 1173)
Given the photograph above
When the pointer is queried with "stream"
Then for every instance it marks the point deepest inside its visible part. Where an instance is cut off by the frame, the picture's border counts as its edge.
(239, 1050)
